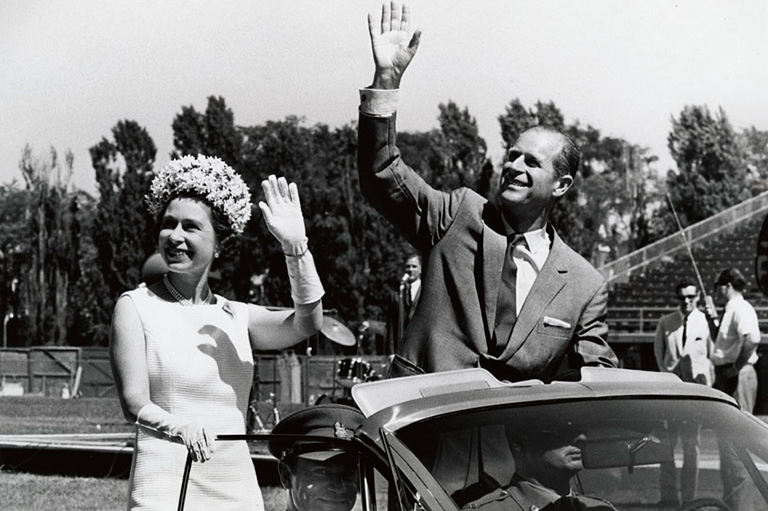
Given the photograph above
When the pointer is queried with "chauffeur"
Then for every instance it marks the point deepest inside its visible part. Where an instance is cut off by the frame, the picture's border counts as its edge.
(319, 476)
(545, 463)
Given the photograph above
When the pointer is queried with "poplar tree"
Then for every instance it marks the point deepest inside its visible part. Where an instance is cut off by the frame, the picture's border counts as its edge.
(123, 232)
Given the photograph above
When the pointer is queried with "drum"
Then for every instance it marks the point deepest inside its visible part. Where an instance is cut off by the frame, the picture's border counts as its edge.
(329, 399)
(352, 371)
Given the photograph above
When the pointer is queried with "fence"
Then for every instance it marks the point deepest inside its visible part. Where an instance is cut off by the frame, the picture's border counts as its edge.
(42, 370)
(288, 378)
(283, 377)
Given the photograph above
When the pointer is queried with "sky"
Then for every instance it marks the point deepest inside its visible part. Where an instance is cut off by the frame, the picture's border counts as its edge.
(69, 71)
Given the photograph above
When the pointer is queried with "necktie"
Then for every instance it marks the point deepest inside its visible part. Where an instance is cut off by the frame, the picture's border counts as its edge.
(685, 331)
(407, 296)
(506, 303)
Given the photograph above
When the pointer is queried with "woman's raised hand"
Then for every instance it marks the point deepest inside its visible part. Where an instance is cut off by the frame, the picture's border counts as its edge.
(282, 212)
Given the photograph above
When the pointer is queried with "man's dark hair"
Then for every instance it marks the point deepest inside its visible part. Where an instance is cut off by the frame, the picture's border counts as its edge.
(410, 255)
(685, 283)
(733, 277)
(569, 158)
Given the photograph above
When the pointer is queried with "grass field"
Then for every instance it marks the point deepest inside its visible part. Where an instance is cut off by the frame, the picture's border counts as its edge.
(31, 492)
(44, 415)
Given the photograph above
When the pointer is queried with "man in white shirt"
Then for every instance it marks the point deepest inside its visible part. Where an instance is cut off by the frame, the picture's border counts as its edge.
(683, 346)
(734, 357)
(737, 339)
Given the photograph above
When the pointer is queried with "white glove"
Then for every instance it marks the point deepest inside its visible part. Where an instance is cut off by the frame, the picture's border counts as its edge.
(306, 287)
(198, 440)
(282, 212)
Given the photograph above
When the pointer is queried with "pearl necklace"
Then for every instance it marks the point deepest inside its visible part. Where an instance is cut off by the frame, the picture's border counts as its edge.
(180, 298)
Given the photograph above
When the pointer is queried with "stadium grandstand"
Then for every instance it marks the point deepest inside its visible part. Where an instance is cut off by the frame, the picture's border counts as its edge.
(642, 283)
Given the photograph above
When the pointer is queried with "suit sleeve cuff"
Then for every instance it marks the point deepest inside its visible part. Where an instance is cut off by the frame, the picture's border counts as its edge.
(378, 102)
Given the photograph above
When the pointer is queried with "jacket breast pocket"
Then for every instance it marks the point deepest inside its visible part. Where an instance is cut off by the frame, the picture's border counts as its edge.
(554, 327)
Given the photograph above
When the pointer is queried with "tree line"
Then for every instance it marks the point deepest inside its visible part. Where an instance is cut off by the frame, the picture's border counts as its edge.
(66, 256)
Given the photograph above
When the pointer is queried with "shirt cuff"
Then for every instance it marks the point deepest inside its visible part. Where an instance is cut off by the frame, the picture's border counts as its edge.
(378, 102)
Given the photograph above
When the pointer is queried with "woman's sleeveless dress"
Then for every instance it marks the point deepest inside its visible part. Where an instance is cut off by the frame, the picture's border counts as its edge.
(200, 369)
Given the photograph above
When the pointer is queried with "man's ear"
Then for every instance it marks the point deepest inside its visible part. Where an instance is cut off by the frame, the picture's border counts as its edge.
(562, 185)
(285, 474)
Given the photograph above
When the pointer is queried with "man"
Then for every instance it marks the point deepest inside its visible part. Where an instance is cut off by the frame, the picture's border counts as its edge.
(403, 303)
(318, 475)
(683, 346)
(737, 339)
(734, 357)
(513, 305)
(545, 463)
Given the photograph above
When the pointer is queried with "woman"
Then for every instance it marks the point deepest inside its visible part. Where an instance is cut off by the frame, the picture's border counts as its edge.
(182, 356)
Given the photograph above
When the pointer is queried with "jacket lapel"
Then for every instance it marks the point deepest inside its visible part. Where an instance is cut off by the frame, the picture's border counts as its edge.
(494, 250)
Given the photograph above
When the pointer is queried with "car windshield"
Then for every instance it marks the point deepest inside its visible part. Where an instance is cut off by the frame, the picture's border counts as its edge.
(629, 452)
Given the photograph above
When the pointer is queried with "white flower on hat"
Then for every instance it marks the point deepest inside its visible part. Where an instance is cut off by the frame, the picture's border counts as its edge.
(208, 177)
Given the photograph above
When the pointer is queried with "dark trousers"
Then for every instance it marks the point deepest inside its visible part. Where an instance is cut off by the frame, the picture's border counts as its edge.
(727, 385)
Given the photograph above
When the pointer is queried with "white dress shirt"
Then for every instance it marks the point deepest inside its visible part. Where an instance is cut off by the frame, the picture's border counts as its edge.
(529, 259)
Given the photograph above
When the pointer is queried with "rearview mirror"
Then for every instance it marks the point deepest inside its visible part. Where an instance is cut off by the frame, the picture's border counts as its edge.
(627, 451)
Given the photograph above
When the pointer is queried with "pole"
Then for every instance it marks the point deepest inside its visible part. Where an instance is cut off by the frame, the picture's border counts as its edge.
(6, 319)
(685, 242)
(185, 482)
(707, 298)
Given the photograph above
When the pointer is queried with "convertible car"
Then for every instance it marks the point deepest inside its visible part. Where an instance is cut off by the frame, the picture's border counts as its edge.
(443, 441)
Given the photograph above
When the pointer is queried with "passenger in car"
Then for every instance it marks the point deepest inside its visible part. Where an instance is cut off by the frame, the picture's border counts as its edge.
(545, 463)
(501, 289)
(319, 476)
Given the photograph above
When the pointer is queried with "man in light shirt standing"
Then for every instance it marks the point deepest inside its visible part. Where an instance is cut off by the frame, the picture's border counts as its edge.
(737, 339)
(683, 346)
(734, 357)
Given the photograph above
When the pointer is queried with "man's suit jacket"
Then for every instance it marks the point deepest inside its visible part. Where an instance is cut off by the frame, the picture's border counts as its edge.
(689, 360)
(462, 239)
(399, 315)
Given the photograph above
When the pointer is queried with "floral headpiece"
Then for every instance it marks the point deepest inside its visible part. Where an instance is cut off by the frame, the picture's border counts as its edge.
(208, 177)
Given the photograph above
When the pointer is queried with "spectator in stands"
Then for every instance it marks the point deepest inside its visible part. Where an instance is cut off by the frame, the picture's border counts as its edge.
(319, 476)
(734, 357)
(683, 346)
